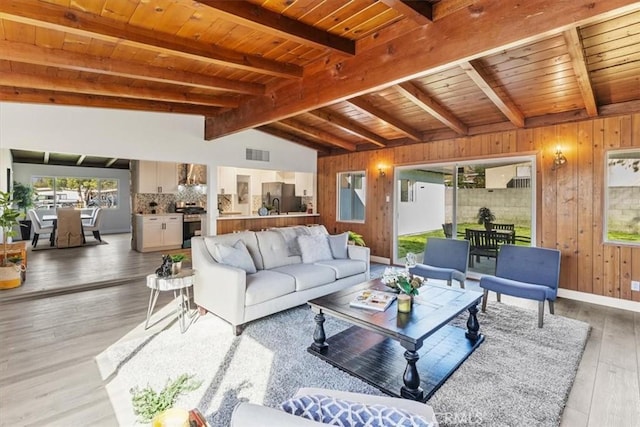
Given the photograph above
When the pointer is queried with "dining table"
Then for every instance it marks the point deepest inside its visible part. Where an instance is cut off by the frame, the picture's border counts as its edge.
(54, 219)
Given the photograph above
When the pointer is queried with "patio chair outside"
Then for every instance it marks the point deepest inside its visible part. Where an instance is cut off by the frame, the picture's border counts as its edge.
(482, 243)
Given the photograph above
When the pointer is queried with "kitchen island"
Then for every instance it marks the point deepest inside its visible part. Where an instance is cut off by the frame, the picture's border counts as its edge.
(230, 223)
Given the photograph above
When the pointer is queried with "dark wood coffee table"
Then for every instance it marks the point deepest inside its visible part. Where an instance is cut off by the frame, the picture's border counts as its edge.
(369, 350)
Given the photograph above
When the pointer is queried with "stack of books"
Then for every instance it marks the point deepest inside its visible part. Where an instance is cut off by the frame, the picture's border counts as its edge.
(373, 300)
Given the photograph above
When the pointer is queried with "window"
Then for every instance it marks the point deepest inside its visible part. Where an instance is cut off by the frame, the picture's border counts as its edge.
(622, 193)
(80, 192)
(352, 190)
(406, 190)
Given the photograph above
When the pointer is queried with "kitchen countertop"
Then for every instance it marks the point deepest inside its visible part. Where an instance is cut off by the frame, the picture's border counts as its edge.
(159, 214)
(291, 215)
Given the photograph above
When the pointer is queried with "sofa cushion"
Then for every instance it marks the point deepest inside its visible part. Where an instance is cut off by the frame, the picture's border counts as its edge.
(333, 411)
(274, 250)
(338, 244)
(308, 275)
(235, 255)
(249, 239)
(319, 229)
(266, 285)
(344, 267)
(314, 248)
(290, 235)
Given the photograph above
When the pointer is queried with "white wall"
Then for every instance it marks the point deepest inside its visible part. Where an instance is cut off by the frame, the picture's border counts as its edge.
(425, 213)
(144, 136)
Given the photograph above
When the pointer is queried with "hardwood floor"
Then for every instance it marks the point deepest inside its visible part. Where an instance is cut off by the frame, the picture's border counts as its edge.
(53, 271)
(48, 375)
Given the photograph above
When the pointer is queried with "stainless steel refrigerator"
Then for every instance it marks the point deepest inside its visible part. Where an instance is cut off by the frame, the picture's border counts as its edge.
(281, 196)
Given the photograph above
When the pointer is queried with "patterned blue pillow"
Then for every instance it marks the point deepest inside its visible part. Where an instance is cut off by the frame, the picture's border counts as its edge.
(338, 412)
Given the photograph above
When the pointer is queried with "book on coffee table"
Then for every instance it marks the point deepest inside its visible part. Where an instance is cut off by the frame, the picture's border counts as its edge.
(373, 300)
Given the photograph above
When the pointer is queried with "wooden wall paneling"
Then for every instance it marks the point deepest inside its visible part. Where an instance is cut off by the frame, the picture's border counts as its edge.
(509, 142)
(598, 207)
(612, 253)
(626, 137)
(585, 206)
(525, 141)
(546, 137)
(625, 272)
(380, 196)
(611, 271)
(567, 209)
(495, 143)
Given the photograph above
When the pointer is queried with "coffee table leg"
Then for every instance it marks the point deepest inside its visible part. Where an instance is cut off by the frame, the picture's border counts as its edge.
(319, 337)
(472, 324)
(411, 388)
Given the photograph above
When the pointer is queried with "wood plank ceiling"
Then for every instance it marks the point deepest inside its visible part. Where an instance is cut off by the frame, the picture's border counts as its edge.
(333, 75)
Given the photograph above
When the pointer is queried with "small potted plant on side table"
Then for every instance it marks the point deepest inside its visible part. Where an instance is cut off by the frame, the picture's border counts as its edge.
(176, 262)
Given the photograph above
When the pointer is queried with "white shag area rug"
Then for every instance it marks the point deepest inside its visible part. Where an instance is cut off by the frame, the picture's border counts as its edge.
(520, 376)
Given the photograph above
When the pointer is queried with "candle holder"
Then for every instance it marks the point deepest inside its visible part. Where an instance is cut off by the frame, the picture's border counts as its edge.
(404, 303)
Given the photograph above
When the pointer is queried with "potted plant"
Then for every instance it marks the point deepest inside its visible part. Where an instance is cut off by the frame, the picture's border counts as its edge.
(9, 271)
(24, 197)
(176, 262)
(486, 217)
(356, 239)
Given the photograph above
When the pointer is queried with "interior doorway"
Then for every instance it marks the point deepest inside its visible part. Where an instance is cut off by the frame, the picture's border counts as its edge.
(445, 199)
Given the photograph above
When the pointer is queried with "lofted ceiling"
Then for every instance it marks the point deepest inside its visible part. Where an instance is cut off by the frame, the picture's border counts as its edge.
(65, 159)
(332, 75)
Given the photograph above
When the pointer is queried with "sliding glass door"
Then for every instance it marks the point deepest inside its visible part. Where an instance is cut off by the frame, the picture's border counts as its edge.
(444, 200)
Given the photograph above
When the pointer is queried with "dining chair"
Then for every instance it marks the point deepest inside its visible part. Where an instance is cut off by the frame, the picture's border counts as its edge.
(96, 223)
(511, 238)
(68, 228)
(525, 272)
(38, 228)
(444, 259)
(482, 243)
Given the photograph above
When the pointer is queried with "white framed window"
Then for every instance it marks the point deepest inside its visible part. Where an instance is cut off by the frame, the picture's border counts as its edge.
(622, 197)
(352, 194)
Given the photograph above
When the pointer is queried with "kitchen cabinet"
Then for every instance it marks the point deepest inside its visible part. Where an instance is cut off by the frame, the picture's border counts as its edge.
(156, 177)
(304, 184)
(226, 180)
(158, 232)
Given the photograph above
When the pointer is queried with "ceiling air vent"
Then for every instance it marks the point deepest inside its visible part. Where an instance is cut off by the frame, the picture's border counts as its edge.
(260, 155)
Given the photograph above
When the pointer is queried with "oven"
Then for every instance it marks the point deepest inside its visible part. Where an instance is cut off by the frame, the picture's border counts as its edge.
(191, 226)
(193, 215)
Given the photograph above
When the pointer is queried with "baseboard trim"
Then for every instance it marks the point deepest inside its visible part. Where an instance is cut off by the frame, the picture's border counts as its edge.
(600, 300)
(380, 260)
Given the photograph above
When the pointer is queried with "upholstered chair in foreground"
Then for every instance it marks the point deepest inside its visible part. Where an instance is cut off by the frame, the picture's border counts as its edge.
(444, 259)
(525, 272)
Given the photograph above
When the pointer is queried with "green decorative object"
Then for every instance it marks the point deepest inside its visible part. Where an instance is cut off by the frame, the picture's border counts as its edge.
(402, 281)
(356, 238)
(147, 403)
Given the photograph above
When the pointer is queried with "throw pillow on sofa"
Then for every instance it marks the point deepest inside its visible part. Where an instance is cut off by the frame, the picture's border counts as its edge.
(235, 256)
(339, 412)
(338, 244)
(314, 248)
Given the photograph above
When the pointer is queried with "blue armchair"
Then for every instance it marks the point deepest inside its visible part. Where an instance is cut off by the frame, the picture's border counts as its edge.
(525, 272)
(444, 259)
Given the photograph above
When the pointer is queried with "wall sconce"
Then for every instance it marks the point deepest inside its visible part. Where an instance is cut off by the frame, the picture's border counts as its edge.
(559, 159)
(381, 172)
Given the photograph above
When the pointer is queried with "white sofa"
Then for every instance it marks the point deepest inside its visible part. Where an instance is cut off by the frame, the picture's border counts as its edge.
(282, 280)
(248, 414)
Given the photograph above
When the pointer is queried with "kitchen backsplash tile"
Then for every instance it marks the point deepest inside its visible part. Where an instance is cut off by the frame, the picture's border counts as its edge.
(166, 203)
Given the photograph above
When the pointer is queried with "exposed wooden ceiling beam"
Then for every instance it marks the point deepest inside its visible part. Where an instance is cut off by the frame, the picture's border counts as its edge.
(110, 162)
(260, 19)
(45, 159)
(46, 15)
(495, 93)
(109, 89)
(431, 106)
(368, 108)
(447, 7)
(319, 134)
(81, 159)
(418, 11)
(467, 34)
(13, 94)
(30, 54)
(350, 126)
(273, 130)
(579, 63)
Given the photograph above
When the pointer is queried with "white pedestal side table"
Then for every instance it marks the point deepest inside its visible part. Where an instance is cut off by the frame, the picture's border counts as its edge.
(179, 284)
